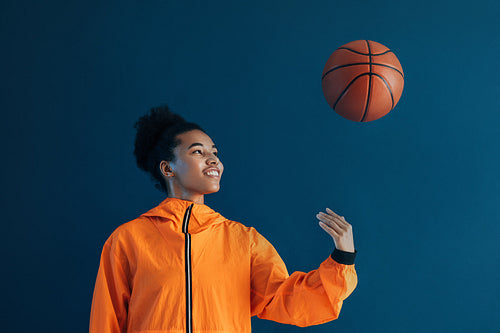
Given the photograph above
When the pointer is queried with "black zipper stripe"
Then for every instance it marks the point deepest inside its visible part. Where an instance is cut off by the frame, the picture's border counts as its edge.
(187, 256)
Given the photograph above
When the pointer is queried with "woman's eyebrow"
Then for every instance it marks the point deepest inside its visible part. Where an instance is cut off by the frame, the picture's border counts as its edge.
(199, 144)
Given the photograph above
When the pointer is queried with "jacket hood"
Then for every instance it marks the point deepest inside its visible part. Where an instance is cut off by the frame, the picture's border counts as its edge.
(172, 210)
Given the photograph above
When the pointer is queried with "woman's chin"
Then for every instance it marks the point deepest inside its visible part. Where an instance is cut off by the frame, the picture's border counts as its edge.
(212, 190)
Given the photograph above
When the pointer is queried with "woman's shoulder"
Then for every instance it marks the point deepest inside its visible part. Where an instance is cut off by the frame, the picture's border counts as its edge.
(237, 225)
(241, 228)
(130, 230)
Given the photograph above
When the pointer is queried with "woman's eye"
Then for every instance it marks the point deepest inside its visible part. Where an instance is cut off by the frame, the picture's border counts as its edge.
(198, 150)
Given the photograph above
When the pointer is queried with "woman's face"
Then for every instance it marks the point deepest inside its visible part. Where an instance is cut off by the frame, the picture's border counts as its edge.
(195, 156)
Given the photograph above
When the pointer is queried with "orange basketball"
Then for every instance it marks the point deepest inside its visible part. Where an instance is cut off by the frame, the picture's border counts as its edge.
(362, 80)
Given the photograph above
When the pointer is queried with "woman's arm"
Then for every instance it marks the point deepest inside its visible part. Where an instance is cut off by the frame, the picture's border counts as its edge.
(111, 295)
(302, 299)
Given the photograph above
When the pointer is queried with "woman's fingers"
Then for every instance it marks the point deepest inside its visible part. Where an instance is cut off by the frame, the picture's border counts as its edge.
(329, 230)
(331, 222)
(338, 228)
(331, 225)
(337, 220)
(341, 218)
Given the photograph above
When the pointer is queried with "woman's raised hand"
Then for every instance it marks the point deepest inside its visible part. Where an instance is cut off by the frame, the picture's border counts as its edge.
(337, 227)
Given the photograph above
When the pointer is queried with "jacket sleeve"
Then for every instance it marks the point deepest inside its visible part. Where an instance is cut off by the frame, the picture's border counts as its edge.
(301, 299)
(111, 295)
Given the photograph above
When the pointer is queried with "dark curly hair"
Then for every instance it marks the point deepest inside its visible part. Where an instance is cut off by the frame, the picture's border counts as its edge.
(156, 140)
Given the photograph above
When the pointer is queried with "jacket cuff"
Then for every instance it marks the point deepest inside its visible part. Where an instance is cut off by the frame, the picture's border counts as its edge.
(342, 257)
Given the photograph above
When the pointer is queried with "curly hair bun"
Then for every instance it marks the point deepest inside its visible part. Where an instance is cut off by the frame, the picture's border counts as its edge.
(149, 130)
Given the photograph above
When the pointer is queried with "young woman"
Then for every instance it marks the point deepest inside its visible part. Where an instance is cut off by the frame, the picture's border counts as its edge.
(182, 267)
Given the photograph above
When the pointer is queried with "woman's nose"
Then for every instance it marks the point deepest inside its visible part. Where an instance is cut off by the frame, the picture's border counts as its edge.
(212, 159)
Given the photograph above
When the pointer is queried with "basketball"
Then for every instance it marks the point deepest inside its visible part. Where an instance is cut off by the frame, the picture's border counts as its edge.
(362, 80)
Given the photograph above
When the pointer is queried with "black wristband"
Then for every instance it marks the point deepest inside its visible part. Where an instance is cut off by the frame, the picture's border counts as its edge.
(342, 257)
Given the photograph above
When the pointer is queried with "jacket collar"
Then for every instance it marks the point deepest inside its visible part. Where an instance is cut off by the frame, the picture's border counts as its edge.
(173, 210)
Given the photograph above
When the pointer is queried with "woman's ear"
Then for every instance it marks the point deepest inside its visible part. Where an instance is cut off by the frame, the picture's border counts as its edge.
(165, 169)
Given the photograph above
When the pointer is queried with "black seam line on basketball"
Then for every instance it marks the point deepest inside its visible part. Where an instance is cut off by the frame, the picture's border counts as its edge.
(388, 87)
(375, 54)
(369, 82)
(361, 63)
(346, 88)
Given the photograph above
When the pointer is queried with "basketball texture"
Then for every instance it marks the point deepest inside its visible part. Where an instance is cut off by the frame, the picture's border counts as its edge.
(362, 80)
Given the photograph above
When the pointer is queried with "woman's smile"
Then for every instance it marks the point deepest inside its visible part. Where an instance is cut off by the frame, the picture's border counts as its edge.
(212, 173)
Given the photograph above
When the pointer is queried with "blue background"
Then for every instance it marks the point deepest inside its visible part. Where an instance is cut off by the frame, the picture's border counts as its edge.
(420, 186)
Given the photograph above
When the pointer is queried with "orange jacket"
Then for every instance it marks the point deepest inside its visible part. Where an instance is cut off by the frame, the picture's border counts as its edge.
(182, 267)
